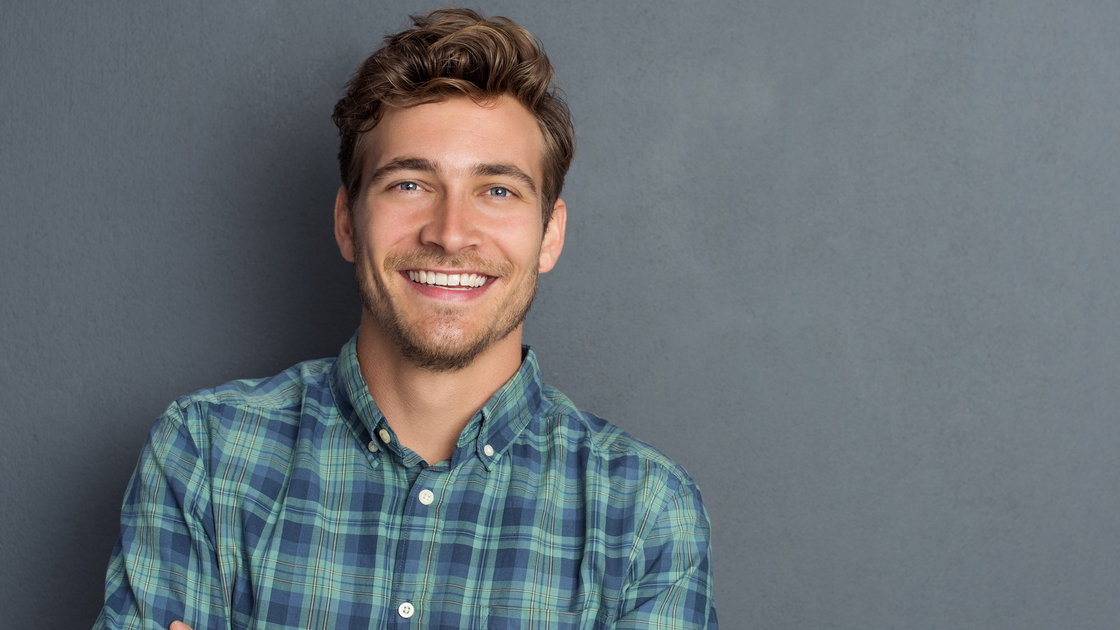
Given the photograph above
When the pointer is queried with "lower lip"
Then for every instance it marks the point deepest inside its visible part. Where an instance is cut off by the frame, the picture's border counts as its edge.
(448, 295)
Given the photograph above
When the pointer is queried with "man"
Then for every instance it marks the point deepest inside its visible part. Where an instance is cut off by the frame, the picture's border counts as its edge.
(426, 478)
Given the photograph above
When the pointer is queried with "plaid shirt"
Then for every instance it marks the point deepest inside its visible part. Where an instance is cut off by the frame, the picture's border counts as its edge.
(289, 503)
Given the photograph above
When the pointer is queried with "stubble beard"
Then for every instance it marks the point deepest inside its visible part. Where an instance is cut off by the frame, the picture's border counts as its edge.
(444, 349)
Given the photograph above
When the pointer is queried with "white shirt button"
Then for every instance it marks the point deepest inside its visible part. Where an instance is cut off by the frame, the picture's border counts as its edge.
(372, 446)
(426, 497)
(384, 435)
(489, 450)
(405, 610)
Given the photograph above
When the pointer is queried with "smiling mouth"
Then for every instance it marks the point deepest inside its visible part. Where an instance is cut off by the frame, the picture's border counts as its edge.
(457, 281)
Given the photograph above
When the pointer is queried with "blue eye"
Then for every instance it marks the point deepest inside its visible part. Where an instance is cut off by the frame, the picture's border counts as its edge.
(498, 191)
(408, 186)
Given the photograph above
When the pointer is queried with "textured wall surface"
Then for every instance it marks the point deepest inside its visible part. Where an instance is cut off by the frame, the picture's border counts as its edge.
(854, 263)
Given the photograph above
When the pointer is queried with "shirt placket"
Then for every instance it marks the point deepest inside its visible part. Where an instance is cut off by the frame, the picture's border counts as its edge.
(416, 548)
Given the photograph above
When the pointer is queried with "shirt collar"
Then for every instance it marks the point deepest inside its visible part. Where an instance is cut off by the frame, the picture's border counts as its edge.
(488, 434)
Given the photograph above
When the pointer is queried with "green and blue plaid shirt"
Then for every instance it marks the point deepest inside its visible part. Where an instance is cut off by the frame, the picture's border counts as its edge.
(289, 503)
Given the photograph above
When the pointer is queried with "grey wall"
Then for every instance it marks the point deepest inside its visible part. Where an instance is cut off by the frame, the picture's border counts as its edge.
(853, 263)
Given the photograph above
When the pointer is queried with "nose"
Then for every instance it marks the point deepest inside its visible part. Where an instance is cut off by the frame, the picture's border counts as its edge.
(450, 225)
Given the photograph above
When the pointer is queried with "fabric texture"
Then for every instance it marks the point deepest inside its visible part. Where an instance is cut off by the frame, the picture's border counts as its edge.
(278, 503)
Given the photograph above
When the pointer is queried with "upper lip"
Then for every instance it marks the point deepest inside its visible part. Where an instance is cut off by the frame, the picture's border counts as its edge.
(449, 271)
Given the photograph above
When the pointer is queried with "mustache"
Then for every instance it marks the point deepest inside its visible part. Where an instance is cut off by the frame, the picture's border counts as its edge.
(468, 261)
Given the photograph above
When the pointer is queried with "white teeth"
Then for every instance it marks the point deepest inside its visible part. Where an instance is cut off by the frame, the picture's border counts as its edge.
(469, 280)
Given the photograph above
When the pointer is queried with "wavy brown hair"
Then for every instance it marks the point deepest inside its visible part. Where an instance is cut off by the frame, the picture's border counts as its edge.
(456, 52)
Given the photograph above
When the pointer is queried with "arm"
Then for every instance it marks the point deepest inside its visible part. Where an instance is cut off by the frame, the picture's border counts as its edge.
(669, 583)
(164, 566)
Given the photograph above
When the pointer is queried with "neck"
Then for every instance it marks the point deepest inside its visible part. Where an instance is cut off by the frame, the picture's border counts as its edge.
(428, 409)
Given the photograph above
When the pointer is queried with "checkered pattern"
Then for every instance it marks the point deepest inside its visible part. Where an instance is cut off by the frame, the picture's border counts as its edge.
(275, 504)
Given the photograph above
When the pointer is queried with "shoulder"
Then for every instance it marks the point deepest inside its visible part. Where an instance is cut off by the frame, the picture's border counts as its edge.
(617, 455)
(262, 411)
(282, 391)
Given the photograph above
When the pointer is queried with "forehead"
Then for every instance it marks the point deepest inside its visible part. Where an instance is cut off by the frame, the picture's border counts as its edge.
(457, 134)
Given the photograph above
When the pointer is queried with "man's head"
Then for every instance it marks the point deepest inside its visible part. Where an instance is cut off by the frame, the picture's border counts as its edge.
(451, 53)
(453, 154)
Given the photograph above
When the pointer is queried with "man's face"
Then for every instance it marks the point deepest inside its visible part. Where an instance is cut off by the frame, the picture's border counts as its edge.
(446, 233)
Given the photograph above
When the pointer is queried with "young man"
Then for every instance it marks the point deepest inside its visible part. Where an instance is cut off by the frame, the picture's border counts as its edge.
(426, 478)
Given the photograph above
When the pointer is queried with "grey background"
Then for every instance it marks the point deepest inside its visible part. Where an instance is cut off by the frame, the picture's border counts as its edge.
(853, 263)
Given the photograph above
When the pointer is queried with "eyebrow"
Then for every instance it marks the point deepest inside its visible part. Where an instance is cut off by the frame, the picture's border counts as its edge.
(506, 170)
(403, 164)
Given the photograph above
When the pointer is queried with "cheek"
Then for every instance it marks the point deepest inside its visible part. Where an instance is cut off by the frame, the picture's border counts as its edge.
(525, 247)
(390, 228)
(517, 234)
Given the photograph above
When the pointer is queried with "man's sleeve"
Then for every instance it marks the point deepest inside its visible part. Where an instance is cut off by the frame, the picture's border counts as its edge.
(670, 578)
(164, 566)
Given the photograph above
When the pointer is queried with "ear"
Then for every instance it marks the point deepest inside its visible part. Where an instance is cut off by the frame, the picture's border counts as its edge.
(343, 228)
(553, 241)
